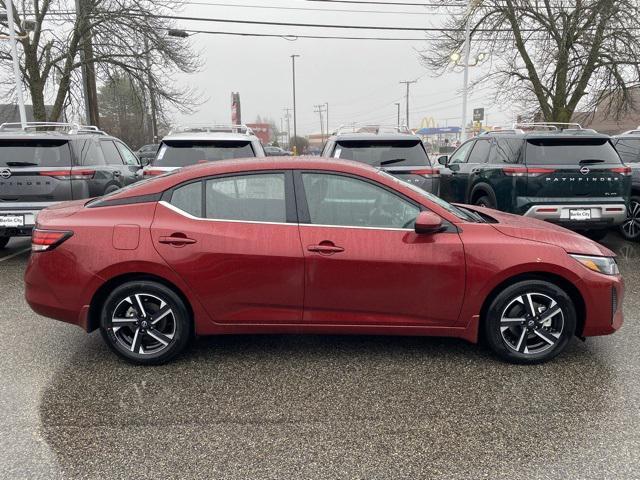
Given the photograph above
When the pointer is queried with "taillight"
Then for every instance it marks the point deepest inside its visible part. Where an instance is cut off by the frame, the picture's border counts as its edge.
(152, 172)
(42, 240)
(622, 170)
(526, 172)
(71, 174)
(426, 172)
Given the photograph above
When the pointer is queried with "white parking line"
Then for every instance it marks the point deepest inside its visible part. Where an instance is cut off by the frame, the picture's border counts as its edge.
(19, 252)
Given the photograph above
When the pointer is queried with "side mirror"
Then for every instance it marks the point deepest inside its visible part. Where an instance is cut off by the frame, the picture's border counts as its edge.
(428, 222)
(443, 160)
(145, 161)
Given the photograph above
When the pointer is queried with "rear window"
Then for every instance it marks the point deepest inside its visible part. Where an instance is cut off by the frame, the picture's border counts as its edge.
(34, 153)
(383, 153)
(629, 149)
(562, 151)
(182, 153)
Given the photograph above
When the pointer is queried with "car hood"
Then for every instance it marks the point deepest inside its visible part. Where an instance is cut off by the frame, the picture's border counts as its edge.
(543, 232)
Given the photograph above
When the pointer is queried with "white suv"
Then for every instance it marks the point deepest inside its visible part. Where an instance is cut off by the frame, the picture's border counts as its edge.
(203, 143)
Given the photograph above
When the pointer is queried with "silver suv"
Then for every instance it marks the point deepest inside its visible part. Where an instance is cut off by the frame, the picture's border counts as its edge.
(192, 144)
(46, 163)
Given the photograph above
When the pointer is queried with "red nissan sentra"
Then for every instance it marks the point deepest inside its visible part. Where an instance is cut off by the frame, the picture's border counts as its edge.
(303, 245)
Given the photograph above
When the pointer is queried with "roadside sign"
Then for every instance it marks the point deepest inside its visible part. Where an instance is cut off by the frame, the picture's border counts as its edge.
(478, 114)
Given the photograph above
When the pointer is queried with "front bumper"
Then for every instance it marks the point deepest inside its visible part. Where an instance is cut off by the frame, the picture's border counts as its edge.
(601, 215)
(603, 296)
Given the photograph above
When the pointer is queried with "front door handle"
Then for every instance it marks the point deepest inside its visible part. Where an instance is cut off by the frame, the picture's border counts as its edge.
(325, 249)
(176, 241)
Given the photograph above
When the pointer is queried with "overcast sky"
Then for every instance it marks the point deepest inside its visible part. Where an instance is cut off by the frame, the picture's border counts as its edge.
(359, 79)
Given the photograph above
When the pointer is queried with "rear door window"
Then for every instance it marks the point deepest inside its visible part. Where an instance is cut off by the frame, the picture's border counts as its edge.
(180, 153)
(562, 151)
(480, 152)
(188, 198)
(506, 150)
(35, 153)
(382, 153)
(110, 151)
(89, 153)
(629, 149)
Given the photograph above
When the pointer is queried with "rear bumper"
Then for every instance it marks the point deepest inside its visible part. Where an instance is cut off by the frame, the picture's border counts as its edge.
(30, 213)
(602, 215)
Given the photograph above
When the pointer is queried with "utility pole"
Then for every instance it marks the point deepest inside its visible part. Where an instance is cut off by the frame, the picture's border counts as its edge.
(326, 105)
(287, 117)
(295, 125)
(16, 66)
(398, 105)
(408, 83)
(152, 95)
(319, 109)
(87, 69)
(465, 82)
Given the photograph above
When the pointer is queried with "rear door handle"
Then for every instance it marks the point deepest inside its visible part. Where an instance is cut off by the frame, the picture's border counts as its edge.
(176, 241)
(325, 249)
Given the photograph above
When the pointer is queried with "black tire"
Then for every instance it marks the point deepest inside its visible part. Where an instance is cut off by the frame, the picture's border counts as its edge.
(4, 241)
(630, 229)
(596, 235)
(138, 337)
(529, 344)
(485, 201)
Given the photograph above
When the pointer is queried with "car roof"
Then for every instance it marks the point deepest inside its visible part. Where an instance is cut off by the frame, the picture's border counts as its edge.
(212, 136)
(368, 136)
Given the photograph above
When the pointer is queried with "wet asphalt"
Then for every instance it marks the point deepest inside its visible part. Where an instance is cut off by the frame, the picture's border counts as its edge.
(314, 407)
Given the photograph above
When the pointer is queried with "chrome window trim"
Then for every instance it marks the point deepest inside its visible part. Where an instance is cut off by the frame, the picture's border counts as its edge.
(188, 215)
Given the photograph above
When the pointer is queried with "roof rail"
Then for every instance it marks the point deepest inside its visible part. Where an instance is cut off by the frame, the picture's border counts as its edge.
(377, 129)
(632, 132)
(212, 128)
(73, 128)
(549, 126)
(503, 131)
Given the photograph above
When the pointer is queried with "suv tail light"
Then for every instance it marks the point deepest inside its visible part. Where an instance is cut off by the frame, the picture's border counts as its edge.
(152, 172)
(426, 172)
(71, 174)
(622, 170)
(526, 172)
(43, 240)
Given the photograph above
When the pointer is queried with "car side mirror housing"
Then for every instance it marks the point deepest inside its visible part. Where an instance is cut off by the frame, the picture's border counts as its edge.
(144, 161)
(443, 160)
(428, 222)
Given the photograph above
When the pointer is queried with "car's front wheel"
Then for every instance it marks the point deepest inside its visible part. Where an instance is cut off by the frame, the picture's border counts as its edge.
(145, 322)
(630, 229)
(530, 321)
(4, 241)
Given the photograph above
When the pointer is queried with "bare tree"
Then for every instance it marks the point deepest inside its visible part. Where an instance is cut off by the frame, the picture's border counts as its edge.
(550, 57)
(109, 36)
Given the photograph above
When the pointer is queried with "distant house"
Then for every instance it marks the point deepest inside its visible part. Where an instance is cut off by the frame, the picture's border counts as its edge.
(603, 123)
(10, 112)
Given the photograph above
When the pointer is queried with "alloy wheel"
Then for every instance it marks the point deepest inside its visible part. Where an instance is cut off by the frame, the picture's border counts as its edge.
(631, 226)
(532, 323)
(143, 324)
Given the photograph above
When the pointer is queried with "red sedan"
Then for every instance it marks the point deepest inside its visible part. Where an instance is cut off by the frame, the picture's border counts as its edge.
(303, 245)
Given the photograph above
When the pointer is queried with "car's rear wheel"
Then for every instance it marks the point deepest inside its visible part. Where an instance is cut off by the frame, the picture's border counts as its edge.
(145, 322)
(531, 321)
(630, 229)
(485, 201)
(4, 241)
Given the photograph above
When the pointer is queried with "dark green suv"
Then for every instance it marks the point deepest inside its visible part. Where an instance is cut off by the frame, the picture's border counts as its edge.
(575, 179)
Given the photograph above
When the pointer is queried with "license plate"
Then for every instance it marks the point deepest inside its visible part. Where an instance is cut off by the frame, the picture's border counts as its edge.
(580, 214)
(11, 220)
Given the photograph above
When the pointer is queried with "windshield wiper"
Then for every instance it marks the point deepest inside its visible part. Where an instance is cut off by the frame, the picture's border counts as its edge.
(590, 161)
(21, 164)
(393, 160)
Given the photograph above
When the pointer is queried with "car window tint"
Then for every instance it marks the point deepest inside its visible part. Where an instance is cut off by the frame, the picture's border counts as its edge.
(128, 156)
(180, 153)
(480, 152)
(347, 201)
(459, 156)
(506, 150)
(110, 152)
(570, 151)
(629, 149)
(383, 152)
(188, 198)
(258, 197)
(28, 153)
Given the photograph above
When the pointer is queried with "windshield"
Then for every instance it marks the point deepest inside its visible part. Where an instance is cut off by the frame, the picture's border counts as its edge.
(462, 214)
(381, 153)
(181, 153)
(563, 151)
(34, 153)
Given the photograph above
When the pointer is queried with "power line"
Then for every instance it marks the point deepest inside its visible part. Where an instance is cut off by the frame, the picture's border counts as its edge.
(293, 37)
(402, 4)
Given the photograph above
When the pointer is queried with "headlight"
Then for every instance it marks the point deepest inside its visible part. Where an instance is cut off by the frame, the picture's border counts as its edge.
(606, 265)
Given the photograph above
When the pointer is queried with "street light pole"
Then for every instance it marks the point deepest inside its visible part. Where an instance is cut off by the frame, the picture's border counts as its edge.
(326, 104)
(16, 67)
(295, 126)
(398, 105)
(465, 84)
(408, 83)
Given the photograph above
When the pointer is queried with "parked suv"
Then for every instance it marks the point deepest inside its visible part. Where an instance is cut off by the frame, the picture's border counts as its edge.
(192, 144)
(571, 177)
(394, 150)
(628, 146)
(46, 163)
